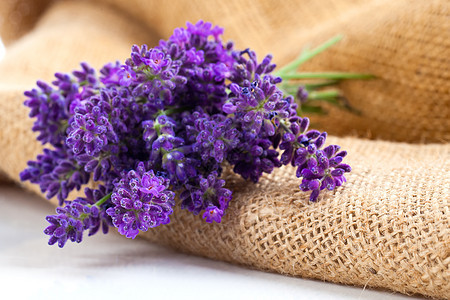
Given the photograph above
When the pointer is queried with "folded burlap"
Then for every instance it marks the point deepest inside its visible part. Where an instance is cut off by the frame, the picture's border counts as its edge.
(388, 226)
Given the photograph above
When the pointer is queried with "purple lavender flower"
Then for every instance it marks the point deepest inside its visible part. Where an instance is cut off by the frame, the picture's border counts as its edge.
(213, 213)
(56, 172)
(127, 76)
(253, 157)
(319, 169)
(212, 136)
(168, 151)
(206, 87)
(302, 94)
(141, 201)
(180, 166)
(216, 137)
(205, 63)
(194, 36)
(207, 193)
(49, 108)
(246, 69)
(100, 197)
(162, 125)
(161, 141)
(91, 130)
(256, 103)
(87, 80)
(52, 107)
(204, 30)
(77, 216)
(153, 75)
(104, 132)
(111, 74)
(63, 228)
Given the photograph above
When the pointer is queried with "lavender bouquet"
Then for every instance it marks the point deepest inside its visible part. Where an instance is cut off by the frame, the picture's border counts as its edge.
(165, 123)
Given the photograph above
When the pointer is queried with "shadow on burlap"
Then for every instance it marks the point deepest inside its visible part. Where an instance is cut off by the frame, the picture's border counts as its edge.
(388, 226)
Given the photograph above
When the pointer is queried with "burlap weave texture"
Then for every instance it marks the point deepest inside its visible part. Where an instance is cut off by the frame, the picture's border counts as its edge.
(387, 227)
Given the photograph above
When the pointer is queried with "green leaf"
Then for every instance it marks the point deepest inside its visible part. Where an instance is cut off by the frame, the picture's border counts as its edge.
(327, 75)
(307, 55)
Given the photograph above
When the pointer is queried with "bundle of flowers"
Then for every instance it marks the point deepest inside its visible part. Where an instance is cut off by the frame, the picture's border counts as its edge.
(165, 123)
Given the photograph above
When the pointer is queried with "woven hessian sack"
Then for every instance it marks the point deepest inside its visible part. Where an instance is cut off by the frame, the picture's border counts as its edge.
(18, 16)
(387, 227)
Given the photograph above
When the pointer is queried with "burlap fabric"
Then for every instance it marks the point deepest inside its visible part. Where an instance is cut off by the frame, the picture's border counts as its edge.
(387, 227)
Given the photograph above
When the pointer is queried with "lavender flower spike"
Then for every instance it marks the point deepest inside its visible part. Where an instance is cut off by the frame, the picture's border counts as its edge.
(141, 201)
(71, 221)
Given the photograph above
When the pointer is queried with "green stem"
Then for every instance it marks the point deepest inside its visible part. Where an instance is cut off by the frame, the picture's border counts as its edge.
(103, 200)
(307, 55)
(288, 89)
(324, 95)
(283, 125)
(327, 75)
(318, 85)
(312, 109)
(292, 88)
(287, 129)
(292, 66)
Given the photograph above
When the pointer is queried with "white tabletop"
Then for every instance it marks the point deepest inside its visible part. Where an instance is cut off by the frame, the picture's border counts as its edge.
(109, 266)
